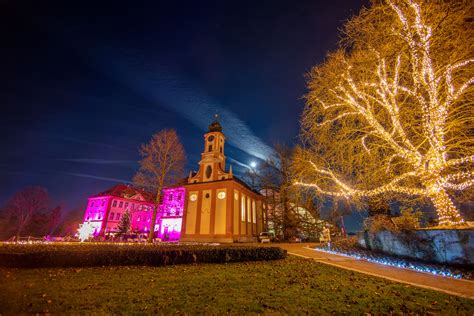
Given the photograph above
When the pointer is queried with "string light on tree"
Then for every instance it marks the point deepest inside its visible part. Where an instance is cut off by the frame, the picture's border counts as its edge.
(402, 111)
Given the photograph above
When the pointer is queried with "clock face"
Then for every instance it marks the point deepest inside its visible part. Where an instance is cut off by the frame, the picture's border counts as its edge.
(211, 138)
(221, 195)
(193, 197)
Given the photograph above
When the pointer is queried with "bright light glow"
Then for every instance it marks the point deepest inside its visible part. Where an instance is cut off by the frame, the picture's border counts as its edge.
(85, 231)
(253, 164)
(170, 228)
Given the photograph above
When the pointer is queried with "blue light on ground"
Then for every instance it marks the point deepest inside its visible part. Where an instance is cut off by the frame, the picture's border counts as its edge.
(397, 263)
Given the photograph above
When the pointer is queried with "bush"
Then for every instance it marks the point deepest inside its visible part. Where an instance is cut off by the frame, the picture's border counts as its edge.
(91, 255)
(377, 223)
(408, 219)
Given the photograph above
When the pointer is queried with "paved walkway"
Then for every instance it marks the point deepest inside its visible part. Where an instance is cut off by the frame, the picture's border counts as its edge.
(451, 286)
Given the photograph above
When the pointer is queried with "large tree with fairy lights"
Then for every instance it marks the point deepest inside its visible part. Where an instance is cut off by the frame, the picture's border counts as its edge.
(391, 111)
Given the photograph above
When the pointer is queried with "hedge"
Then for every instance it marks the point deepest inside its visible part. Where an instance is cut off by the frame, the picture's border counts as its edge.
(93, 255)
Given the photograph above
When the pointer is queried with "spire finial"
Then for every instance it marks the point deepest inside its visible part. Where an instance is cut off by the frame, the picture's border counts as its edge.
(215, 126)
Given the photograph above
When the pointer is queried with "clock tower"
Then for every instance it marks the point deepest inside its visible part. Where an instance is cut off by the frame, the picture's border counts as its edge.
(218, 206)
(212, 164)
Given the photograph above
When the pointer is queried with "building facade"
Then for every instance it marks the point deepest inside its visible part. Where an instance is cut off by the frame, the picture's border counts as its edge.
(218, 206)
(105, 210)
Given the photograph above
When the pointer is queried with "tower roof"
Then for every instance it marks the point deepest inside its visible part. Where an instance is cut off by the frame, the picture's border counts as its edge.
(215, 126)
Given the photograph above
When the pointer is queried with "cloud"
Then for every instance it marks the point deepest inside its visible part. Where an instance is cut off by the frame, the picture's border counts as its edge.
(166, 88)
(39, 133)
(98, 161)
(83, 175)
(238, 163)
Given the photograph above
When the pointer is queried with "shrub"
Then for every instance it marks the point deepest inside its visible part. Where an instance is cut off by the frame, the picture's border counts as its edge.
(408, 219)
(377, 223)
(90, 255)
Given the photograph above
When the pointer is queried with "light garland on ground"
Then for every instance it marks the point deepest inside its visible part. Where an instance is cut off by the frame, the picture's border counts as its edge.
(434, 91)
(397, 263)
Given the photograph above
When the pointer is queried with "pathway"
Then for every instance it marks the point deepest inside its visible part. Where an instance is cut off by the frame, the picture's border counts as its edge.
(451, 286)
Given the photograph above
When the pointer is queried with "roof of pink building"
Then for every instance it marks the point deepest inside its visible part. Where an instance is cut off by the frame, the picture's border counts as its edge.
(126, 192)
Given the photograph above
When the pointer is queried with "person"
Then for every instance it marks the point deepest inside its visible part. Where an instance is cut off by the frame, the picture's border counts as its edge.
(326, 236)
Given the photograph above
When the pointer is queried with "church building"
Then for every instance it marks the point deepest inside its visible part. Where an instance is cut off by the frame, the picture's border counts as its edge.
(218, 206)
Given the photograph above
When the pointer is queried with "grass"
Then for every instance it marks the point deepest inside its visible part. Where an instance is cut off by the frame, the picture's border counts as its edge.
(289, 286)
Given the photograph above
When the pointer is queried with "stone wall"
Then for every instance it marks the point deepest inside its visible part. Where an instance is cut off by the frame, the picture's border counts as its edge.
(454, 246)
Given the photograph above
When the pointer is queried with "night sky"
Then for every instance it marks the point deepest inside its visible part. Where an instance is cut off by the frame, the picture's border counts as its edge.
(85, 83)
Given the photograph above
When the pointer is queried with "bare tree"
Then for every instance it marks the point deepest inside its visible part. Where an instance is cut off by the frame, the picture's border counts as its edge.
(390, 112)
(162, 164)
(54, 219)
(25, 205)
(290, 210)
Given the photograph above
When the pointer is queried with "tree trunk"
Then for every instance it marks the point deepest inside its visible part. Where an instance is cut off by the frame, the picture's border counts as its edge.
(448, 214)
(151, 235)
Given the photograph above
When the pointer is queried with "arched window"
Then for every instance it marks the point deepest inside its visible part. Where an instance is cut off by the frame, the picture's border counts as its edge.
(209, 148)
(111, 217)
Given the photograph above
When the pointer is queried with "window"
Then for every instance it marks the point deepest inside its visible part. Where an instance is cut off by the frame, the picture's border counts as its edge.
(179, 196)
(100, 215)
(111, 217)
(103, 202)
(120, 204)
(221, 149)
(114, 203)
(209, 148)
(170, 198)
(117, 217)
(249, 210)
(254, 213)
(126, 204)
(92, 204)
(242, 203)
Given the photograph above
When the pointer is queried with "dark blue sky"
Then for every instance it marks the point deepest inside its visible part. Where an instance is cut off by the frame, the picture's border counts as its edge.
(85, 83)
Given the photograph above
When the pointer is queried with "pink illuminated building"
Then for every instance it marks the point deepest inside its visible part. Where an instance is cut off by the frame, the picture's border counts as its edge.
(105, 210)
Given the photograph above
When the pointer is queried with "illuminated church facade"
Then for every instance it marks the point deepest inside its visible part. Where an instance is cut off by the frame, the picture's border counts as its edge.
(219, 207)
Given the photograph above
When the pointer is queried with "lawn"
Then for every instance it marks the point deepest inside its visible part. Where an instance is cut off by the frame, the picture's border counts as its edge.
(290, 286)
